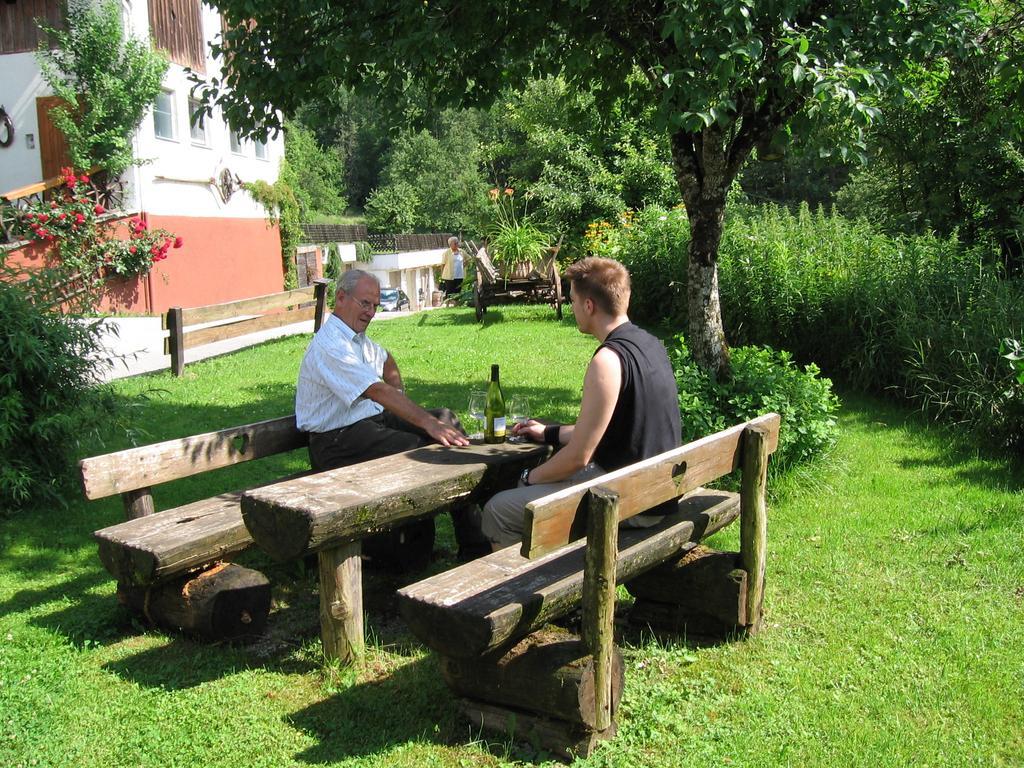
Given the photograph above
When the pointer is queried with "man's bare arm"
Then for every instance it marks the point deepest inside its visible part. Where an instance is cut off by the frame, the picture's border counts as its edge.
(395, 400)
(391, 373)
(600, 394)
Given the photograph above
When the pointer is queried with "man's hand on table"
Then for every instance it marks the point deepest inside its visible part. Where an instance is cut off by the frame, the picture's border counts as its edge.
(532, 430)
(445, 434)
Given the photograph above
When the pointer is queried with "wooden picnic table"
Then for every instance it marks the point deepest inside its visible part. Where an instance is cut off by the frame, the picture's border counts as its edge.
(331, 512)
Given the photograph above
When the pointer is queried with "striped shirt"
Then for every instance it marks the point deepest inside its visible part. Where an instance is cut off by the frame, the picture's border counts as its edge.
(338, 367)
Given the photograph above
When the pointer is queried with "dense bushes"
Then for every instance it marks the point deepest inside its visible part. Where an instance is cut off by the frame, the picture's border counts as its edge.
(919, 316)
(48, 397)
(763, 381)
(652, 244)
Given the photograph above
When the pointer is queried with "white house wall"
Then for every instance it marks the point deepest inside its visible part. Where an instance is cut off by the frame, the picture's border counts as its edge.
(20, 84)
(175, 177)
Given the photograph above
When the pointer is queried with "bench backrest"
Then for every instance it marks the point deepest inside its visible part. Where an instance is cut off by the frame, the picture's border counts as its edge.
(267, 310)
(553, 521)
(485, 266)
(134, 471)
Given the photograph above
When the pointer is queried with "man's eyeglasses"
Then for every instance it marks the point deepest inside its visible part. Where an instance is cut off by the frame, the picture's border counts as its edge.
(367, 306)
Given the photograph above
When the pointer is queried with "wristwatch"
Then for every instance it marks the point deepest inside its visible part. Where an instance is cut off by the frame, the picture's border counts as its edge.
(524, 477)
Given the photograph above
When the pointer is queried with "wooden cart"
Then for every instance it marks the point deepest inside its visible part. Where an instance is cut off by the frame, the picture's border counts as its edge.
(526, 282)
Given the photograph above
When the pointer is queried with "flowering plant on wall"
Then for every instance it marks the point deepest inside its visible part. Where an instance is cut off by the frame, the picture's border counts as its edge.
(87, 241)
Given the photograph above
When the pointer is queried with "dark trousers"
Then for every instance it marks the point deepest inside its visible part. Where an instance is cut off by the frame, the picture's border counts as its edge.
(451, 287)
(384, 435)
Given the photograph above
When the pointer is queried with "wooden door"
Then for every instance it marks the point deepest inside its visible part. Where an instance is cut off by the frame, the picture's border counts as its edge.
(307, 265)
(53, 147)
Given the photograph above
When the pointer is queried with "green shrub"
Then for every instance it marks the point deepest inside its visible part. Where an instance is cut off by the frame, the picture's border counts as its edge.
(393, 208)
(653, 245)
(49, 400)
(763, 380)
(921, 316)
(107, 81)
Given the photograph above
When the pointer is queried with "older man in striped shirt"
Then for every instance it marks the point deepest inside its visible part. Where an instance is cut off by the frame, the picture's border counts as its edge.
(351, 400)
(350, 396)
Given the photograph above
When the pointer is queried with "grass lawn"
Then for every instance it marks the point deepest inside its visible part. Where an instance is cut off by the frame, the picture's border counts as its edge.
(894, 611)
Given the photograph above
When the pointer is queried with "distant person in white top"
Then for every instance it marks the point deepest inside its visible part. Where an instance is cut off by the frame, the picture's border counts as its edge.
(351, 400)
(453, 272)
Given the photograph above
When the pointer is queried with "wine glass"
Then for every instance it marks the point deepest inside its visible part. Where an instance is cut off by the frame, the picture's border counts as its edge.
(477, 402)
(519, 410)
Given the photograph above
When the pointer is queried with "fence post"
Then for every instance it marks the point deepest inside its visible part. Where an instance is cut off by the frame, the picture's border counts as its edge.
(754, 520)
(320, 294)
(176, 340)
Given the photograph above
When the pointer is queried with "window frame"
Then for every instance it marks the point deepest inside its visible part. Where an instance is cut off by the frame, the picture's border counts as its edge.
(172, 116)
(204, 140)
(236, 144)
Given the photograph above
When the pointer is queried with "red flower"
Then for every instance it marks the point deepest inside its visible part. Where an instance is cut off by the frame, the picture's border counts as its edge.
(178, 242)
(99, 209)
(62, 216)
(43, 217)
(79, 218)
(132, 249)
(53, 204)
(84, 179)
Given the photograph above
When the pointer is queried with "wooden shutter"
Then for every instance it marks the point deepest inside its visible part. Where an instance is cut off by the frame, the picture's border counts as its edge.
(19, 30)
(177, 28)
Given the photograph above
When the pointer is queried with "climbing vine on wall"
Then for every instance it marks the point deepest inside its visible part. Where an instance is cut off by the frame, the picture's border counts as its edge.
(282, 209)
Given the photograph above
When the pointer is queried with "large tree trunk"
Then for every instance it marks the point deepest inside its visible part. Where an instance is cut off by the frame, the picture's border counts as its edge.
(703, 174)
(705, 334)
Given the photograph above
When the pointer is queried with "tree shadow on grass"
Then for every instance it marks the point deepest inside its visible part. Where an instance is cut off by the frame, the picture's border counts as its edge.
(971, 460)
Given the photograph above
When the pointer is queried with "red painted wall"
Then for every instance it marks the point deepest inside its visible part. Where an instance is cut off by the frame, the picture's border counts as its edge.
(220, 260)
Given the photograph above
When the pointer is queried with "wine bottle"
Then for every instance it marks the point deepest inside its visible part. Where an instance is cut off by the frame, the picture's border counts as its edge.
(494, 411)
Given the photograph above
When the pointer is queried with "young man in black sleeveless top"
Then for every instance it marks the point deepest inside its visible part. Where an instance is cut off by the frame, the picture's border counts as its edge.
(629, 411)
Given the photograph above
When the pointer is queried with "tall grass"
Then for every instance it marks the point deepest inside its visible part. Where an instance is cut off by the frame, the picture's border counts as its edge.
(922, 317)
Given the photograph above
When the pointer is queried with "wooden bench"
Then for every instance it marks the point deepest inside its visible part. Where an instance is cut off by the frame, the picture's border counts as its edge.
(332, 512)
(564, 693)
(236, 318)
(169, 565)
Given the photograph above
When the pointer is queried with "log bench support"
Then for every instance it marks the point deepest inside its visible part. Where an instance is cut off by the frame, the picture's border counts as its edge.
(170, 565)
(341, 602)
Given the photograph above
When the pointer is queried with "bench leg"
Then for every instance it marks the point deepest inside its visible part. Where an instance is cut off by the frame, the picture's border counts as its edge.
(341, 602)
(754, 521)
(599, 597)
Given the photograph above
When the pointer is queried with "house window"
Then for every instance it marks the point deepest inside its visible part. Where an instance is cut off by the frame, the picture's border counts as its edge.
(261, 150)
(197, 122)
(163, 115)
(236, 143)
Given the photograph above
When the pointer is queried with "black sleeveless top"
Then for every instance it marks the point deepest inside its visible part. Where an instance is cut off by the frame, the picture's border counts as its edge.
(646, 417)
